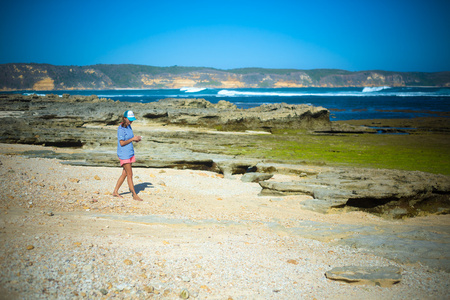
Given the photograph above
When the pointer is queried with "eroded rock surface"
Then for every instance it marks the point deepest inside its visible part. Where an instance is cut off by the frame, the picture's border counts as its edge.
(391, 193)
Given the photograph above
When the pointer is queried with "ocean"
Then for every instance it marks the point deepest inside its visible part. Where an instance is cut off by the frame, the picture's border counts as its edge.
(343, 103)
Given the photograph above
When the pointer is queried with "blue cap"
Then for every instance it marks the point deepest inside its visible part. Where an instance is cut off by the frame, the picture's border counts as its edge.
(129, 115)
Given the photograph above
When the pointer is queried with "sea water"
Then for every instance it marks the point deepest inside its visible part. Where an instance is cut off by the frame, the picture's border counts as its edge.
(344, 103)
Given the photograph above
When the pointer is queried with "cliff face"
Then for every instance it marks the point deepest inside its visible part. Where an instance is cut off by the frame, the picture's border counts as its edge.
(50, 77)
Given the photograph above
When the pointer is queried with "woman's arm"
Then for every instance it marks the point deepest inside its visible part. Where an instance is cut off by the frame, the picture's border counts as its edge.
(133, 139)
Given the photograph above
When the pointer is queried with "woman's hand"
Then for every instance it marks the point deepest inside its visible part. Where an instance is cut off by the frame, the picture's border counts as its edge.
(137, 138)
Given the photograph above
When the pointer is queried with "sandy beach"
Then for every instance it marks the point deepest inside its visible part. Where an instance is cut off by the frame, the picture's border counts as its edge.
(196, 234)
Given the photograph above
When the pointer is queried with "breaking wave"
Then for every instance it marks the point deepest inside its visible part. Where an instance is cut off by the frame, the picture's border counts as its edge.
(191, 89)
(366, 92)
(375, 89)
(233, 93)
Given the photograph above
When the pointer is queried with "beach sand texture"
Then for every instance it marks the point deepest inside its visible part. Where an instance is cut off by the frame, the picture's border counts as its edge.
(196, 235)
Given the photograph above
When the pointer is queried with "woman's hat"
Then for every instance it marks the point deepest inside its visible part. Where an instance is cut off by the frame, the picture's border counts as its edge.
(129, 115)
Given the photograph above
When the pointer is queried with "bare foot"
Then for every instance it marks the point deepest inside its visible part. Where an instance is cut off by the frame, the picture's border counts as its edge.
(117, 195)
(137, 198)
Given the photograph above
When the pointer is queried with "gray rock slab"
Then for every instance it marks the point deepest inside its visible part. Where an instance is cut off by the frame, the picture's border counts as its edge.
(379, 276)
(389, 193)
(426, 247)
(256, 177)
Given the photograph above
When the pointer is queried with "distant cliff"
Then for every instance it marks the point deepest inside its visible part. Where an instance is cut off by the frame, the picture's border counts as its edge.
(20, 76)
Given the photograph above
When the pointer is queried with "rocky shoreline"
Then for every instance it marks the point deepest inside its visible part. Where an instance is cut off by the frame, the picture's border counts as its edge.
(182, 134)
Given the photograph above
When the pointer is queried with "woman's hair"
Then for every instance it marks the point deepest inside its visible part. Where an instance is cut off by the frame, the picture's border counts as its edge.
(123, 121)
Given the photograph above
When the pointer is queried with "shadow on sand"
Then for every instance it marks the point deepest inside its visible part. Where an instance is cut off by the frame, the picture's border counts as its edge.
(139, 188)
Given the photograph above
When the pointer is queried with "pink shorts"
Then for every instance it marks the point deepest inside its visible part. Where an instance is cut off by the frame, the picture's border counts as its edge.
(127, 161)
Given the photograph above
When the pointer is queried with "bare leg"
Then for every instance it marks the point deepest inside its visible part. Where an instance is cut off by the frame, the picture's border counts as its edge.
(119, 184)
(129, 172)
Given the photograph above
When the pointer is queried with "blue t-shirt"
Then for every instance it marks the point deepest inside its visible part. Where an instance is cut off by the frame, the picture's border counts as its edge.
(124, 134)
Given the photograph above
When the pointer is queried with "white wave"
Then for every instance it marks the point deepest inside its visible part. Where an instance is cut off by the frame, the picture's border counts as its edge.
(233, 93)
(191, 89)
(374, 89)
(228, 93)
(30, 94)
(119, 95)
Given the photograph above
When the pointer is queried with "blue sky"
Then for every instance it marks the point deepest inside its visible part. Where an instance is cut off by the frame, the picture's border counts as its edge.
(394, 35)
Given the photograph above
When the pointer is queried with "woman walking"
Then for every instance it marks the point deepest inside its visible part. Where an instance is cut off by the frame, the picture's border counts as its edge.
(125, 152)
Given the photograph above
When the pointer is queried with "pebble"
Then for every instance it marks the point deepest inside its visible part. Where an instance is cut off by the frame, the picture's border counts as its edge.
(88, 268)
(123, 286)
(184, 294)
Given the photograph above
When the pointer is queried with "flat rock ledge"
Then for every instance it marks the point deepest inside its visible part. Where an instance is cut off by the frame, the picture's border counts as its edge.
(377, 276)
(389, 193)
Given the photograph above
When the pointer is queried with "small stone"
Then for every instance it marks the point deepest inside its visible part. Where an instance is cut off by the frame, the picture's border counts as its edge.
(30, 247)
(49, 213)
(128, 262)
(96, 177)
(122, 286)
(103, 291)
(292, 261)
(149, 289)
(88, 268)
(184, 294)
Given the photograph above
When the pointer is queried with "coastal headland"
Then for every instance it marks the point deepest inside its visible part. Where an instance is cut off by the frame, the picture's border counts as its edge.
(228, 212)
(32, 76)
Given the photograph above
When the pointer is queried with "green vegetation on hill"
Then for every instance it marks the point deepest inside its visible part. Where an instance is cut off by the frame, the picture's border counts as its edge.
(318, 74)
(245, 71)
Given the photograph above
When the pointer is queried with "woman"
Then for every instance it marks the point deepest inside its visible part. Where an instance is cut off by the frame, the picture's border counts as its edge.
(125, 152)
